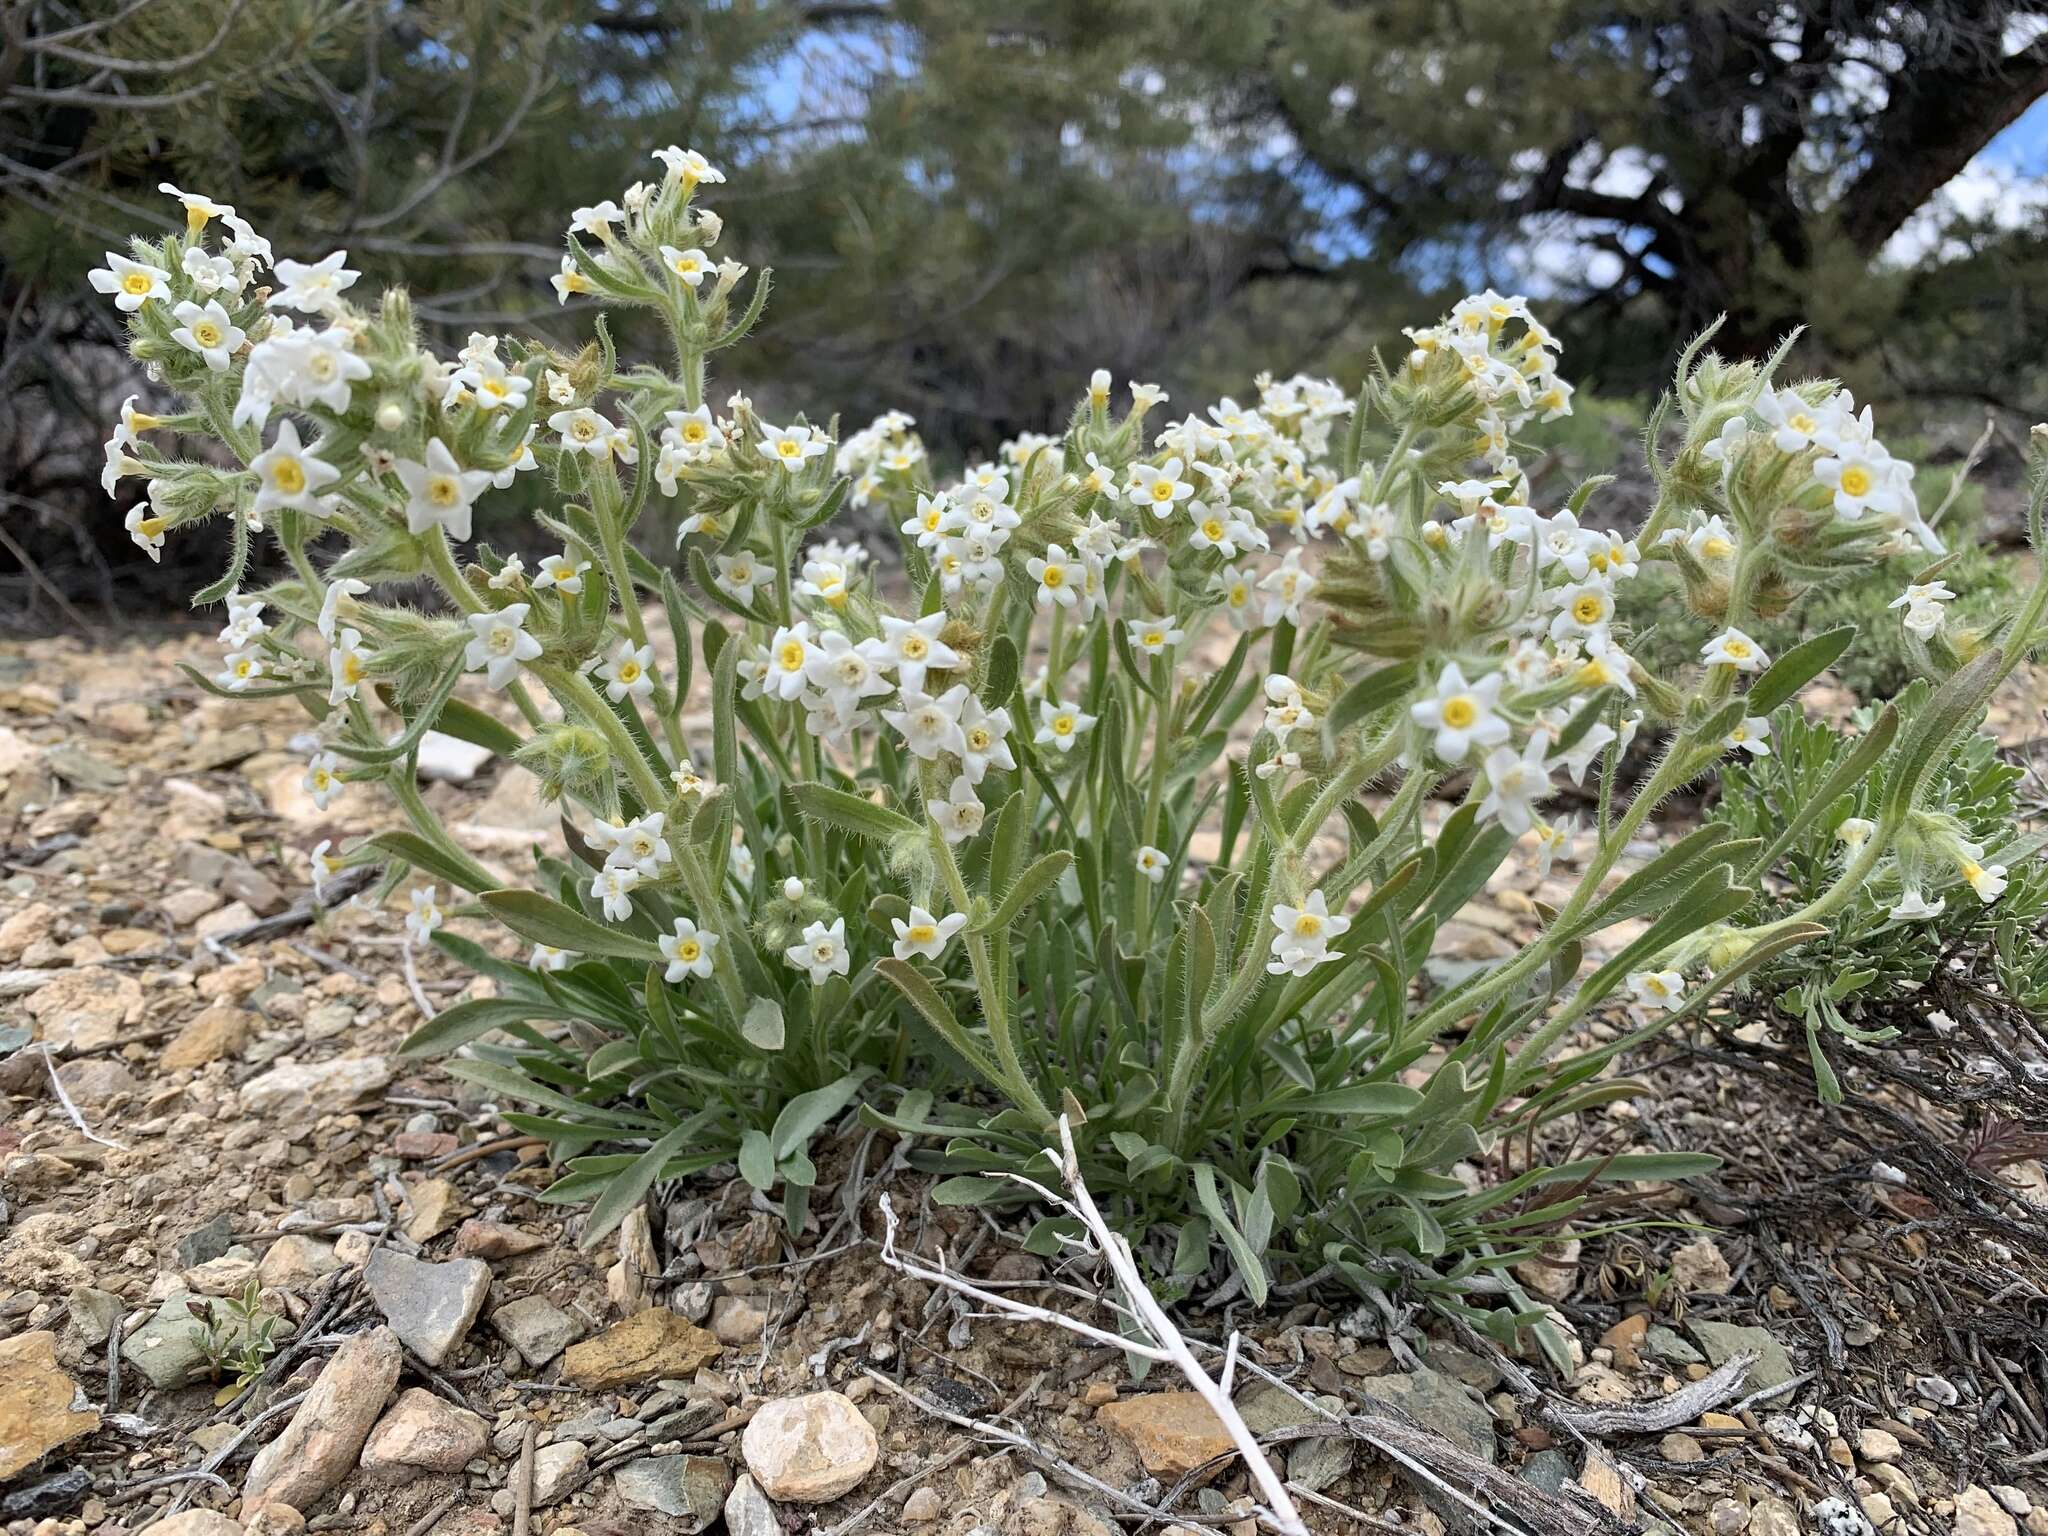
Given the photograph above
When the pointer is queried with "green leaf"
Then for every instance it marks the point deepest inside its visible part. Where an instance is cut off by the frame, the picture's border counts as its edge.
(1369, 695)
(1379, 1100)
(471, 1019)
(762, 1025)
(1796, 668)
(1041, 877)
(533, 916)
(1954, 706)
(432, 859)
(1249, 1265)
(757, 1160)
(975, 1189)
(467, 723)
(1001, 678)
(806, 1114)
(851, 813)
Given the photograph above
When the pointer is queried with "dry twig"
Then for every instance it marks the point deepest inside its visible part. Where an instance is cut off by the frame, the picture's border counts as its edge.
(1157, 1338)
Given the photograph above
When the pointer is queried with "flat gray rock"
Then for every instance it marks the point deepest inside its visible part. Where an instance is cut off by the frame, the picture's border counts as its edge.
(1447, 1406)
(749, 1511)
(536, 1327)
(431, 1307)
(690, 1489)
(1723, 1341)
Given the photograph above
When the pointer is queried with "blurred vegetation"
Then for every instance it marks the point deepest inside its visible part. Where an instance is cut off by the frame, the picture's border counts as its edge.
(1879, 665)
(968, 209)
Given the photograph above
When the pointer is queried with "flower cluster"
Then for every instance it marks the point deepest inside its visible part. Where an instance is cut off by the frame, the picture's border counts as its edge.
(1001, 741)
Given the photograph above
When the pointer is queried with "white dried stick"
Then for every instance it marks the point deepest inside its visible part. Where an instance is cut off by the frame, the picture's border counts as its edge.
(1160, 1340)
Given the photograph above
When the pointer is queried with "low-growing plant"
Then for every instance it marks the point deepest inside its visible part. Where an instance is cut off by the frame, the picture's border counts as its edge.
(1957, 881)
(1140, 794)
(1883, 661)
(238, 1335)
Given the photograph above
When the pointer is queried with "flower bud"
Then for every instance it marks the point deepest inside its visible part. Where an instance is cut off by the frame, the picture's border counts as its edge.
(793, 890)
(390, 416)
(568, 759)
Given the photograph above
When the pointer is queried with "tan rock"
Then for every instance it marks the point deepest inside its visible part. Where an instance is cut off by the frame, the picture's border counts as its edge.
(1552, 1274)
(131, 941)
(41, 1408)
(923, 1507)
(86, 1010)
(231, 981)
(1878, 1445)
(625, 1283)
(476, 1239)
(739, 1320)
(295, 1261)
(275, 1520)
(1978, 1513)
(32, 924)
(320, 1445)
(556, 1468)
(219, 1032)
(436, 1206)
(421, 1433)
(1700, 1267)
(198, 1522)
(294, 1089)
(808, 1449)
(1606, 1482)
(647, 1346)
(1172, 1432)
(228, 1275)
(1625, 1338)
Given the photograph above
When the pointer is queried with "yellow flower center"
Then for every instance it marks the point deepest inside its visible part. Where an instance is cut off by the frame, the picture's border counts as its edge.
(1802, 423)
(442, 491)
(921, 933)
(1589, 609)
(1972, 872)
(1162, 490)
(150, 527)
(979, 739)
(352, 668)
(206, 333)
(1656, 987)
(916, 647)
(1063, 725)
(1856, 481)
(629, 671)
(1053, 576)
(1739, 649)
(136, 283)
(791, 656)
(583, 429)
(496, 387)
(688, 951)
(1307, 925)
(1717, 548)
(789, 448)
(694, 432)
(1154, 638)
(288, 477)
(1460, 710)
(1212, 529)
